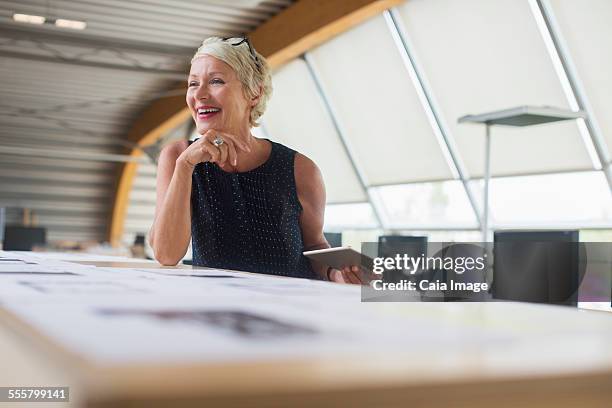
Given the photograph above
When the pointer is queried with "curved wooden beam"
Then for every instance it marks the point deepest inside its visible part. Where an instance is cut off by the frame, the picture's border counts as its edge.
(160, 117)
(309, 23)
(297, 29)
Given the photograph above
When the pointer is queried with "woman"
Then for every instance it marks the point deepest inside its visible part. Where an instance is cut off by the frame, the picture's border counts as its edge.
(249, 204)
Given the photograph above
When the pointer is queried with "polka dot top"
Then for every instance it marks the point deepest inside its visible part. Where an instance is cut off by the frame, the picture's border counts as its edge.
(249, 221)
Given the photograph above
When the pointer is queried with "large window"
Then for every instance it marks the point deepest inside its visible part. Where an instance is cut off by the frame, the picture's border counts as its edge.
(425, 205)
(343, 216)
(553, 200)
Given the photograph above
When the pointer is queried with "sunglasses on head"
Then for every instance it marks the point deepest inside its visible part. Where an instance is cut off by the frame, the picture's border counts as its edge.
(251, 50)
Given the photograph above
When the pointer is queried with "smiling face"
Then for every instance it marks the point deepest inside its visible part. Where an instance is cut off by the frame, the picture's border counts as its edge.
(215, 96)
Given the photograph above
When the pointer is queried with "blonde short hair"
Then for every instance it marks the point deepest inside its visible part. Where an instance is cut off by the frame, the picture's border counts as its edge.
(254, 76)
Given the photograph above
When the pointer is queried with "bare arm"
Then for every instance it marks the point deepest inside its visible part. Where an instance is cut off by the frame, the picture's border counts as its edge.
(311, 193)
(171, 230)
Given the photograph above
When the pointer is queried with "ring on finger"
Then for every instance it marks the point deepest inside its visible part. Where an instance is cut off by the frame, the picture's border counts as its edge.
(218, 141)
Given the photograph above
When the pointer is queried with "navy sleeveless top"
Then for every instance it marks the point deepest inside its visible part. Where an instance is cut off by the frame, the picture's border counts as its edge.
(249, 221)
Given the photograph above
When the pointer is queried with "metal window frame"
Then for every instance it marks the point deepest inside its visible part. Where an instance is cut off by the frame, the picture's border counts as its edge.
(572, 85)
(310, 65)
(433, 112)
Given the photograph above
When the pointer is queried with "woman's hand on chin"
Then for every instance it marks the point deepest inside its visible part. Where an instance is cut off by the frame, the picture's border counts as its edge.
(215, 147)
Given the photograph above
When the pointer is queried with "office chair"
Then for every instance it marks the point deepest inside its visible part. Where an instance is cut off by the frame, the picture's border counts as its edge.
(474, 272)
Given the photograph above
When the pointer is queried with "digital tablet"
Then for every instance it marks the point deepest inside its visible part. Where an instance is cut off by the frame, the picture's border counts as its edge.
(339, 257)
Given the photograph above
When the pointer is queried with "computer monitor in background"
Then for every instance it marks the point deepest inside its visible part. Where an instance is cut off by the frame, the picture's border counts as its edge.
(333, 238)
(20, 238)
(391, 245)
(536, 266)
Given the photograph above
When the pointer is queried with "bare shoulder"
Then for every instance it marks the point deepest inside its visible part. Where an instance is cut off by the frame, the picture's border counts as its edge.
(172, 151)
(305, 168)
(308, 180)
